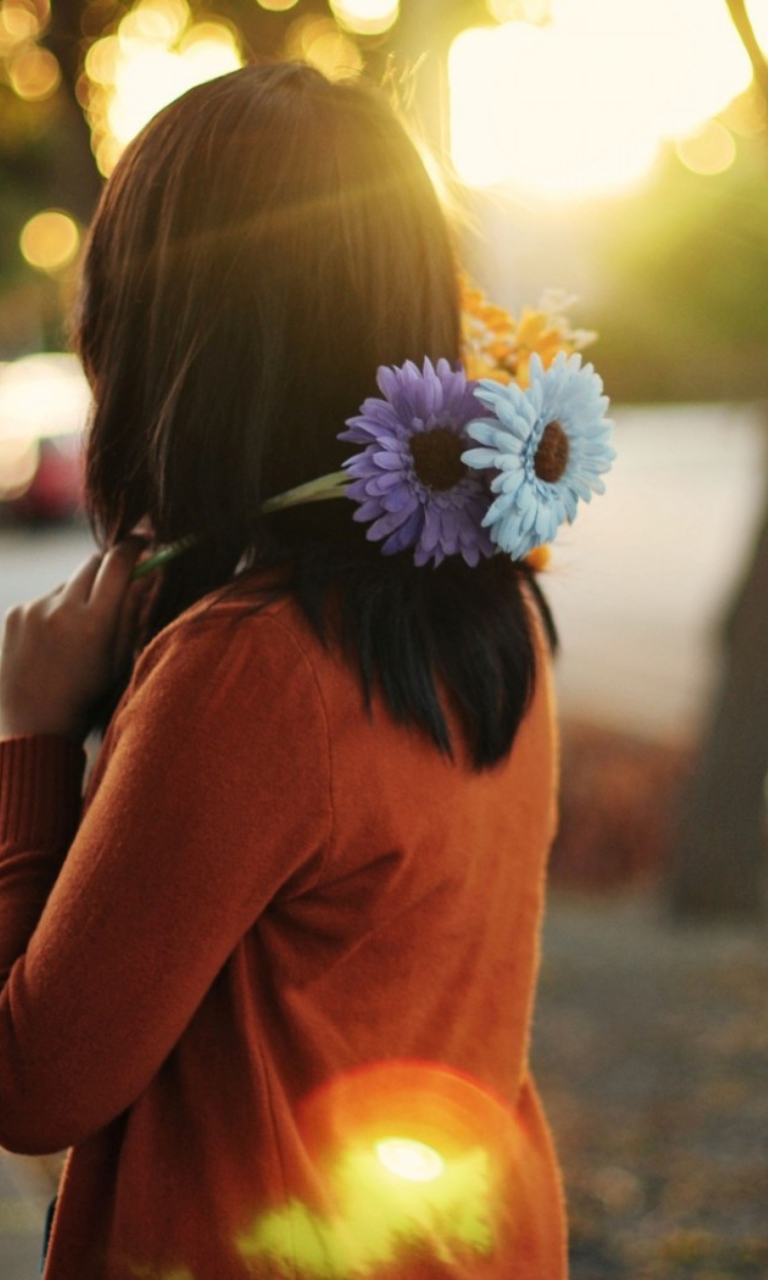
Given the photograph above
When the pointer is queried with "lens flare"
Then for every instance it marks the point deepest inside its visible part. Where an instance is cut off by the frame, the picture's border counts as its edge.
(582, 105)
(708, 151)
(366, 17)
(414, 1161)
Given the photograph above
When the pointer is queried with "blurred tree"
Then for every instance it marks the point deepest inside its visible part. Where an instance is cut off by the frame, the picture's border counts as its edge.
(46, 156)
(682, 313)
(720, 864)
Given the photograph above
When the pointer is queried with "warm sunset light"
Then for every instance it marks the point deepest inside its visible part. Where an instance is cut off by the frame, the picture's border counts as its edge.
(406, 1158)
(319, 41)
(156, 54)
(709, 150)
(18, 23)
(50, 240)
(366, 17)
(35, 74)
(580, 105)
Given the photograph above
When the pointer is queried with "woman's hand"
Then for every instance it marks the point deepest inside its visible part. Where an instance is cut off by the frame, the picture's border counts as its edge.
(62, 652)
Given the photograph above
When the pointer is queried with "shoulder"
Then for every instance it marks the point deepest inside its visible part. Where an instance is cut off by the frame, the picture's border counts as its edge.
(224, 673)
(220, 638)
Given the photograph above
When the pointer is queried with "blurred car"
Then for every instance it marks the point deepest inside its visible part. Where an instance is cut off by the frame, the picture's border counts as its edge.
(44, 403)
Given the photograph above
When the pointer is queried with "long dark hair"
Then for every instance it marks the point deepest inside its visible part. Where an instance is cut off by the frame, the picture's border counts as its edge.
(265, 244)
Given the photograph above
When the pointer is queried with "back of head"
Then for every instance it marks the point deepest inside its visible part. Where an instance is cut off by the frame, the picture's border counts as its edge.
(265, 243)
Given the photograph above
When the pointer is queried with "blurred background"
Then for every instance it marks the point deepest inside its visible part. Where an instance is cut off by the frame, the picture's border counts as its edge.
(616, 151)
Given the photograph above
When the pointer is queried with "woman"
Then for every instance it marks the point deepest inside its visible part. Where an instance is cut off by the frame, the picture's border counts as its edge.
(273, 986)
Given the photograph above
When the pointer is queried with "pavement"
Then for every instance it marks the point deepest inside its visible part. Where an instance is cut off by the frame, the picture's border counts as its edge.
(651, 1053)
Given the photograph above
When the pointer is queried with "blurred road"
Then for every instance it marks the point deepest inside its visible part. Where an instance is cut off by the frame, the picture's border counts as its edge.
(34, 560)
(639, 583)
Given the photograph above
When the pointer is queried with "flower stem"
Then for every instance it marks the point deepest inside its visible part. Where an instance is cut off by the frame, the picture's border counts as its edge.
(331, 486)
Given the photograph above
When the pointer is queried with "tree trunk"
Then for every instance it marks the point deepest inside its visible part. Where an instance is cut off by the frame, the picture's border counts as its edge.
(720, 864)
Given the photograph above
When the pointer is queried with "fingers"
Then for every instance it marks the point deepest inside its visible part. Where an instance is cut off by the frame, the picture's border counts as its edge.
(77, 589)
(59, 652)
(127, 626)
(113, 576)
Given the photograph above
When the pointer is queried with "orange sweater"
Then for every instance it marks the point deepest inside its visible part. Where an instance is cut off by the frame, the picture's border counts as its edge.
(275, 990)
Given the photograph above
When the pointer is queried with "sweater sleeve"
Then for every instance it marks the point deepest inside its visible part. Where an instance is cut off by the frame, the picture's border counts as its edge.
(214, 799)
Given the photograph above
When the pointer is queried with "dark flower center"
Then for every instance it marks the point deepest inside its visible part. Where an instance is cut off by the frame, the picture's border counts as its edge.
(552, 454)
(437, 458)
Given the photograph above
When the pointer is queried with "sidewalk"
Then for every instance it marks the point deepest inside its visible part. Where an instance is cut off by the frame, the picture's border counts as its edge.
(651, 1053)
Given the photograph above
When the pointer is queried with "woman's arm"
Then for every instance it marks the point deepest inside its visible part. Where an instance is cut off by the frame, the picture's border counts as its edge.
(215, 794)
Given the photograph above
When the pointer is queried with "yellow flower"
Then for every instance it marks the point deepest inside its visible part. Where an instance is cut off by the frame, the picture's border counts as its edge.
(539, 559)
(498, 347)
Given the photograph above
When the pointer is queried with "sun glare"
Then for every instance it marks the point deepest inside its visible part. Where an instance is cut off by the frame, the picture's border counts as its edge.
(366, 17)
(156, 54)
(581, 106)
(406, 1158)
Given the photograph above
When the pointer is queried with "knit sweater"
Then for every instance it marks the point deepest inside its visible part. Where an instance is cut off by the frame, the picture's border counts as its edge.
(274, 987)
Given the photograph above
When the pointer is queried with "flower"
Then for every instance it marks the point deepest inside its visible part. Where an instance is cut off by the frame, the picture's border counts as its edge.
(548, 447)
(496, 346)
(410, 479)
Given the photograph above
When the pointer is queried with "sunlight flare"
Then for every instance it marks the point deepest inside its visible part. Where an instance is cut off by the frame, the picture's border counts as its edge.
(581, 105)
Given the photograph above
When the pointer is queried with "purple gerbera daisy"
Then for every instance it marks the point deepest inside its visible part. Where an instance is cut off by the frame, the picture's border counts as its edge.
(409, 478)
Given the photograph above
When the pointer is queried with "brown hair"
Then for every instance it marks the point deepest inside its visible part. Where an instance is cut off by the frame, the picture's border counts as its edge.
(265, 244)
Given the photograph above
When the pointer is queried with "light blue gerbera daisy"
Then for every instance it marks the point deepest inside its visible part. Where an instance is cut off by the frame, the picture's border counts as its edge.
(548, 448)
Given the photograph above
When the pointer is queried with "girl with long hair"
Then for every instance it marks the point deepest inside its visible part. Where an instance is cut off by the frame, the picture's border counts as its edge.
(271, 981)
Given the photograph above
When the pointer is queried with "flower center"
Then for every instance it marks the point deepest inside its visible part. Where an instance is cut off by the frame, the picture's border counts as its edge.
(552, 454)
(437, 458)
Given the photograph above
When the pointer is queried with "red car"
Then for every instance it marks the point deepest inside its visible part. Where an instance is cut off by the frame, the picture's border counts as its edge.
(44, 402)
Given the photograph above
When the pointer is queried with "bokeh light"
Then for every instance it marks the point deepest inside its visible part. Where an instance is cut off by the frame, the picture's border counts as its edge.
(44, 405)
(366, 17)
(19, 458)
(708, 150)
(520, 10)
(156, 54)
(50, 240)
(35, 74)
(582, 105)
(278, 6)
(43, 395)
(19, 22)
(319, 42)
(747, 115)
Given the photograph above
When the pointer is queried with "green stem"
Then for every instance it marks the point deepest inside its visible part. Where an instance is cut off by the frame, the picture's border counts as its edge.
(331, 486)
(162, 557)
